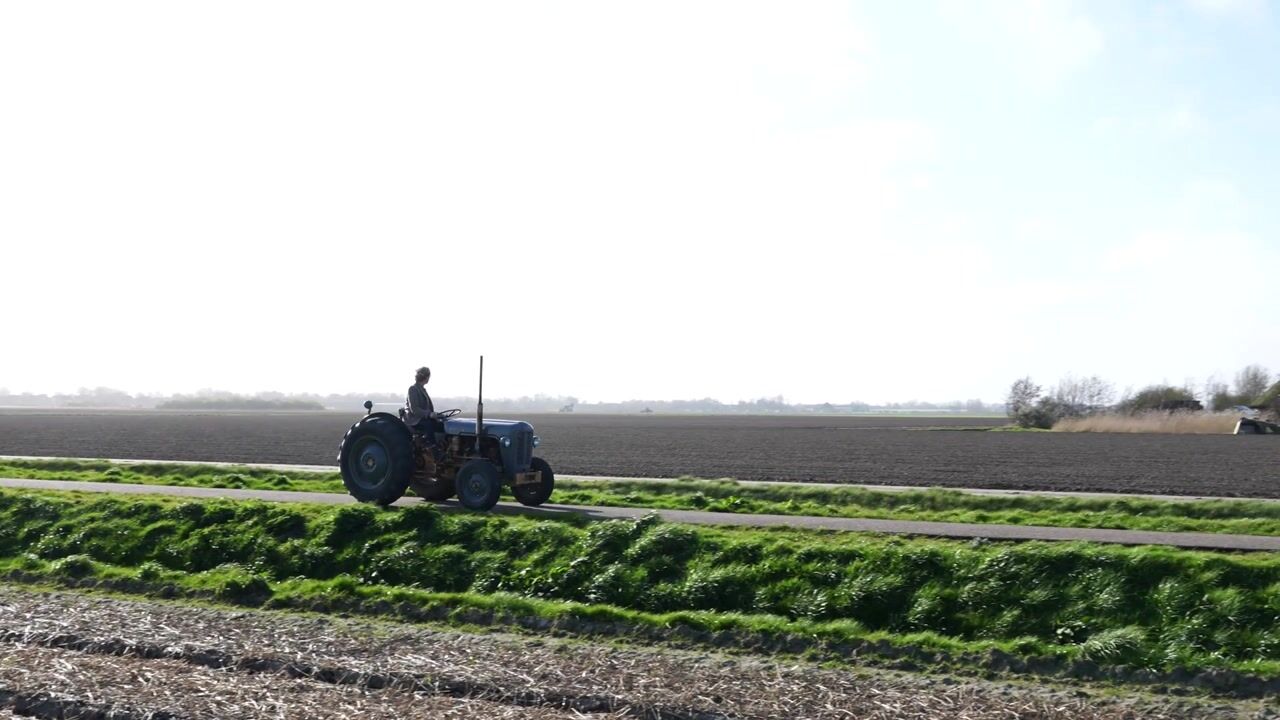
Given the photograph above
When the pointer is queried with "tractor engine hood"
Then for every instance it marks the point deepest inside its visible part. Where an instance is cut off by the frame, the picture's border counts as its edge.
(496, 428)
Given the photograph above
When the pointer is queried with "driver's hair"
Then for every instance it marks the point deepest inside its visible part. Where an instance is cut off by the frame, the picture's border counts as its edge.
(423, 372)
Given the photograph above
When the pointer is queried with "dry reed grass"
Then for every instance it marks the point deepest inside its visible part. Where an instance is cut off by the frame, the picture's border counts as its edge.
(1178, 423)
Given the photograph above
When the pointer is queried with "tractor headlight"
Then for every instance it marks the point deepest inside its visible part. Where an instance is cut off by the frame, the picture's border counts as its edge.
(506, 442)
(537, 441)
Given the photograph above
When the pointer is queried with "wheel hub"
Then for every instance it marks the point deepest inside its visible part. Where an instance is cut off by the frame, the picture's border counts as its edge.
(371, 462)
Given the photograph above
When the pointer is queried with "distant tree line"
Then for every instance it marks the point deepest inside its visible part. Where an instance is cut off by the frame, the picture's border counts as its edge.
(1032, 406)
(1252, 387)
(85, 397)
(239, 403)
(353, 402)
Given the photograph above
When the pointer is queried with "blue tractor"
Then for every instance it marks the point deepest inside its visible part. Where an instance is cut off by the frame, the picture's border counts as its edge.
(381, 458)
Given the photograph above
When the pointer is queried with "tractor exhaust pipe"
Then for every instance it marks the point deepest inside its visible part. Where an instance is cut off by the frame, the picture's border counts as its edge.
(480, 407)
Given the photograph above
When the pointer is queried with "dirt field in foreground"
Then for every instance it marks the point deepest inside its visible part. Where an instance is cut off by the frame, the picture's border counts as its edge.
(894, 451)
(71, 655)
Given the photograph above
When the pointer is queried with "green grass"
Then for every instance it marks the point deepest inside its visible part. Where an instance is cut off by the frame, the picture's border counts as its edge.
(1148, 606)
(1218, 516)
(191, 475)
(1239, 517)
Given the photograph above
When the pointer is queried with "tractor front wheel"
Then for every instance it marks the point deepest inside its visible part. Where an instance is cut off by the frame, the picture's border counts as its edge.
(478, 485)
(535, 494)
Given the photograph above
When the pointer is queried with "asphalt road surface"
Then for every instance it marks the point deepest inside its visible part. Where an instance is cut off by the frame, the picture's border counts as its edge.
(1212, 541)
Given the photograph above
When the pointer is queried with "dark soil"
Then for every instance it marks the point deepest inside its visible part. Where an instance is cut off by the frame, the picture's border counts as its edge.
(892, 451)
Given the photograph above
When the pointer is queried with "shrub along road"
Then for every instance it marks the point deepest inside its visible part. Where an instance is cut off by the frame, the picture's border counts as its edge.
(1216, 541)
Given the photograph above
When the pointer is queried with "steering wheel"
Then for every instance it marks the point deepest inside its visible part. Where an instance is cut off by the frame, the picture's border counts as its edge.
(446, 414)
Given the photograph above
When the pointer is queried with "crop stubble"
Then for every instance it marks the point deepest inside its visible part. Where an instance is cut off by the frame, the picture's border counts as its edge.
(142, 657)
(893, 451)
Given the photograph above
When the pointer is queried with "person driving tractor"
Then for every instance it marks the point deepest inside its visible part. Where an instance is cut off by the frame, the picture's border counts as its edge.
(421, 414)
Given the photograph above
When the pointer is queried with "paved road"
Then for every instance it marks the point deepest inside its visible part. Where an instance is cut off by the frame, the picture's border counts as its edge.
(606, 478)
(904, 527)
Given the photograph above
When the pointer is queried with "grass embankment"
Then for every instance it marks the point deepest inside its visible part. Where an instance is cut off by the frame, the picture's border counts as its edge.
(1151, 607)
(1240, 517)
(183, 474)
(1179, 423)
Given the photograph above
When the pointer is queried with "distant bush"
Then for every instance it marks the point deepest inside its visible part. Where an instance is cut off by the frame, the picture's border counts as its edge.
(1270, 398)
(1224, 400)
(1028, 408)
(1046, 413)
(1253, 382)
(1160, 397)
(1022, 396)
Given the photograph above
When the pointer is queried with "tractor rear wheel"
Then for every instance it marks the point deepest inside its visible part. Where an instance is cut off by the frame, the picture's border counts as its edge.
(534, 495)
(377, 459)
(479, 485)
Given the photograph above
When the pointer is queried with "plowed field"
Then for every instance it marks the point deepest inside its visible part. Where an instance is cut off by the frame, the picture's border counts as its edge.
(893, 451)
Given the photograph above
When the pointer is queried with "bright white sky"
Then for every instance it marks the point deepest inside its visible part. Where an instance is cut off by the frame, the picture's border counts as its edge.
(827, 201)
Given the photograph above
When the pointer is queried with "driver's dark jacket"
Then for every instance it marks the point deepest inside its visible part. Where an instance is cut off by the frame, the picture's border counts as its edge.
(419, 405)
